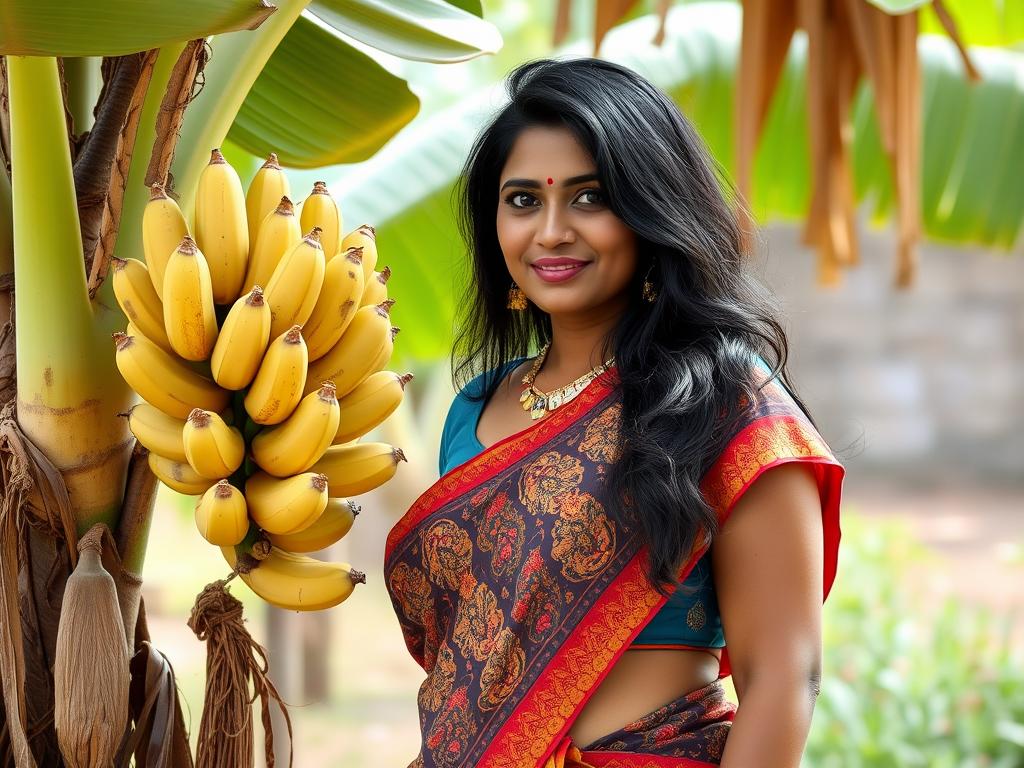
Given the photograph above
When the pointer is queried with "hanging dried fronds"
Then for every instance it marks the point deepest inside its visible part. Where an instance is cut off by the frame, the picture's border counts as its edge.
(90, 672)
(233, 660)
(846, 39)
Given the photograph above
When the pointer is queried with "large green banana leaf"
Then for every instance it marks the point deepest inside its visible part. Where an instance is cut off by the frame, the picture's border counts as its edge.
(972, 146)
(117, 27)
(424, 30)
(320, 101)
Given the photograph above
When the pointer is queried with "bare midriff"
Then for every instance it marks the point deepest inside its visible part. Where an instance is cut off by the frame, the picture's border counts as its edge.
(640, 682)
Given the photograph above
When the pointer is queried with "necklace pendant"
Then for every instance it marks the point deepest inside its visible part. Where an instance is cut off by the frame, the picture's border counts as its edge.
(538, 408)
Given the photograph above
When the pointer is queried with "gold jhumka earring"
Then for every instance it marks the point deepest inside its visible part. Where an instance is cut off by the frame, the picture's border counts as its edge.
(516, 298)
(648, 291)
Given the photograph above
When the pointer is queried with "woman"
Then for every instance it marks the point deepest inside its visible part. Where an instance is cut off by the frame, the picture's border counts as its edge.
(606, 517)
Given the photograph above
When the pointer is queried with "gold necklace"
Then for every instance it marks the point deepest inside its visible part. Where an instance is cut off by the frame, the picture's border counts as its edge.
(537, 402)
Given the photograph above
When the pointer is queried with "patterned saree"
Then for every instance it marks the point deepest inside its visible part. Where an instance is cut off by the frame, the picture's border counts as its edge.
(516, 593)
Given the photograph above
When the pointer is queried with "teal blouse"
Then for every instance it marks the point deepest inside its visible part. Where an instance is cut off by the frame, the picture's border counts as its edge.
(686, 620)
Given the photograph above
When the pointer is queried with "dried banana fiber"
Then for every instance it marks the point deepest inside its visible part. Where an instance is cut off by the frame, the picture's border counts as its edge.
(90, 671)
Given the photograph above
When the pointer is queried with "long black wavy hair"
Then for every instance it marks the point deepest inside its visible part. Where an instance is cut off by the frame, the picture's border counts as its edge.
(685, 362)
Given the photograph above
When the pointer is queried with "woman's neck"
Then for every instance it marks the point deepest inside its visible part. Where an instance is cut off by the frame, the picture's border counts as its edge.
(576, 348)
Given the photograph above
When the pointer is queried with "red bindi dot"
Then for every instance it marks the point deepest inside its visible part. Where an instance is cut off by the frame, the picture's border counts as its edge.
(550, 181)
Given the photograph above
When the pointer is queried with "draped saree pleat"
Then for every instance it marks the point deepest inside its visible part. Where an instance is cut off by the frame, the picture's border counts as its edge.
(517, 593)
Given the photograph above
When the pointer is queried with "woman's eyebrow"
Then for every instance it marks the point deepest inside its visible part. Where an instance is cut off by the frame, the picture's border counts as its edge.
(533, 184)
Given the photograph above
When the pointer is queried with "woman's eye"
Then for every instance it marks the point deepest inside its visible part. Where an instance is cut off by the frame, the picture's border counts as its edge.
(511, 199)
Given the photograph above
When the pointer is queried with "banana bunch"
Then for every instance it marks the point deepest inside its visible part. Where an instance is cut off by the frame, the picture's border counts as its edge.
(258, 339)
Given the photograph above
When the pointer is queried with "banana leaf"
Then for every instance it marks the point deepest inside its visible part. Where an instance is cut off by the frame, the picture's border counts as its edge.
(318, 101)
(973, 190)
(423, 30)
(117, 27)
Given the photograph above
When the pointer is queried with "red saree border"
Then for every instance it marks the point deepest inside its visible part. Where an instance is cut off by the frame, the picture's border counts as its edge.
(470, 473)
(549, 707)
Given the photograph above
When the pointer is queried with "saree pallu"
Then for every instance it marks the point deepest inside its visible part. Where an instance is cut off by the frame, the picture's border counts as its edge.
(516, 593)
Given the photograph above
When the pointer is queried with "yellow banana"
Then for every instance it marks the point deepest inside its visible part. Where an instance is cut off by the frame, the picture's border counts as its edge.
(295, 285)
(295, 445)
(276, 235)
(189, 316)
(372, 401)
(365, 237)
(164, 381)
(157, 431)
(320, 210)
(221, 515)
(163, 227)
(355, 469)
(298, 582)
(139, 300)
(242, 341)
(178, 475)
(347, 361)
(278, 386)
(221, 228)
(286, 505)
(213, 449)
(336, 304)
(334, 523)
(376, 290)
(265, 191)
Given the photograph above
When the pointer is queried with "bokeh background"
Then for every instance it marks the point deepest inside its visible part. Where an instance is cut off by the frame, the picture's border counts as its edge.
(917, 389)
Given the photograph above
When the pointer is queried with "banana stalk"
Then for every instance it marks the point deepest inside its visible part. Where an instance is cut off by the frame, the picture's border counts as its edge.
(69, 390)
(236, 62)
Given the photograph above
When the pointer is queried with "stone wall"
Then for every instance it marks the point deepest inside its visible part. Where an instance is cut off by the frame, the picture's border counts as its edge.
(924, 385)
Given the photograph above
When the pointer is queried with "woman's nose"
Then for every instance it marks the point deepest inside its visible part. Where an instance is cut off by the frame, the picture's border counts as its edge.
(554, 228)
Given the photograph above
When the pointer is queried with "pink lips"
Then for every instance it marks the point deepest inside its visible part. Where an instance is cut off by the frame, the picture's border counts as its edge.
(557, 275)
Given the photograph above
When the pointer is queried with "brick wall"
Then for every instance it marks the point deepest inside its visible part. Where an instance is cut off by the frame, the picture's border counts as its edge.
(925, 385)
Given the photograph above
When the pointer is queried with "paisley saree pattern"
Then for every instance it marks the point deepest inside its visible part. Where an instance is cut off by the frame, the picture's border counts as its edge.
(517, 592)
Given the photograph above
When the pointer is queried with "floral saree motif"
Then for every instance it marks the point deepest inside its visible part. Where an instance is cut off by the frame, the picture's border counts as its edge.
(516, 592)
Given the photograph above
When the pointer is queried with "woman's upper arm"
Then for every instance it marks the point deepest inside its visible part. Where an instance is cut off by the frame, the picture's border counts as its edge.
(767, 562)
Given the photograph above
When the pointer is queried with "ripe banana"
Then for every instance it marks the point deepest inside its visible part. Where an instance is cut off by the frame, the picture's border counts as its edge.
(265, 191)
(278, 386)
(221, 228)
(296, 444)
(157, 431)
(221, 515)
(335, 522)
(355, 469)
(337, 303)
(163, 227)
(372, 401)
(298, 582)
(363, 236)
(139, 300)
(242, 341)
(347, 361)
(320, 210)
(295, 285)
(376, 290)
(276, 235)
(189, 317)
(286, 505)
(164, 381)
(213, 449)
(178, 475)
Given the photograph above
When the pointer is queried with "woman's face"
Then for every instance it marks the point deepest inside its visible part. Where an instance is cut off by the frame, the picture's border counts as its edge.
(545, 212)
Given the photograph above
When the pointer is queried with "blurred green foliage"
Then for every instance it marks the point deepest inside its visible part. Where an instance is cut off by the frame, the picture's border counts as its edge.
(911, 679)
